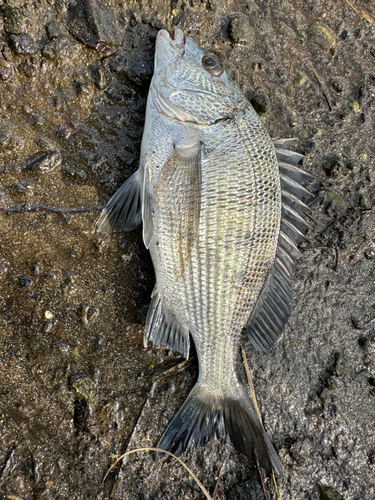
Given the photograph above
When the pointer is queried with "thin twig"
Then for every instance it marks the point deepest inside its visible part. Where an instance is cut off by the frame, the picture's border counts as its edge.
(250, 382)
(262, 485)
(336, 259)
(163, 371)
(312, 218)
(204, 491)
(322, 86)
(24, 209)
(214, 494)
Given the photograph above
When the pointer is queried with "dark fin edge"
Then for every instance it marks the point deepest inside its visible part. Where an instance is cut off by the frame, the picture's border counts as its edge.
(123, 211)
(272, 309)
(163, 332)
(232, 418)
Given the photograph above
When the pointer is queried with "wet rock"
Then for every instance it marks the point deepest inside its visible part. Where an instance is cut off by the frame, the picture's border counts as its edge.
(29, 69)
(330, 494)
(53, 29)
(44, 161)
(61, 47)
(338, 85)
(25, 281)
(85, 388)
(98, 76)
(6, 70)
(320, 36)
(94, 24)
(74, 172)
(22, 44)
(260, 103)
(16, 19)
(240, 31)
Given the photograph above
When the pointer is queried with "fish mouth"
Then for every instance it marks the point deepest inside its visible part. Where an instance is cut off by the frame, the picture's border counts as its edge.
(176, 39)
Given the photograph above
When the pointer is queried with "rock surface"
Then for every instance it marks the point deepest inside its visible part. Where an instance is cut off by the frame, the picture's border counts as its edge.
(77, 387)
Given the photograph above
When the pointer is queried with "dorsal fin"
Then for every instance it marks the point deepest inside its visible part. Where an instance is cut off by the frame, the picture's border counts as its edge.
(272, 310)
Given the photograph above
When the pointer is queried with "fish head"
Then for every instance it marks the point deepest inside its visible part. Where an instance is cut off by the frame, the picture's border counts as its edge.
(190, 84)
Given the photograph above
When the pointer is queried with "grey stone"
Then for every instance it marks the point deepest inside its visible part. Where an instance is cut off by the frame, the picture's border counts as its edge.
(240, 30)
(23, 44)
(94, 24)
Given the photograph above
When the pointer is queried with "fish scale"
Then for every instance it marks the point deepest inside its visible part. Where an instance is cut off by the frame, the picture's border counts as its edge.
(222, 227)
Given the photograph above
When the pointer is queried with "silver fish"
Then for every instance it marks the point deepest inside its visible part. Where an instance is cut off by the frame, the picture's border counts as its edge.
(220, 204)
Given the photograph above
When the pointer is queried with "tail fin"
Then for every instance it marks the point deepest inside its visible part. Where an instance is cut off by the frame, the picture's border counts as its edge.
(230, 417)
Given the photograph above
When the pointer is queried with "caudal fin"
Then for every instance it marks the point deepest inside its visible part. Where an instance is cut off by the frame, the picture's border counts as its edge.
(231, 418)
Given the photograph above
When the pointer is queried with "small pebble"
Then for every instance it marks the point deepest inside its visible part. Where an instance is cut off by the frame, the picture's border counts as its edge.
(22, 44)
(370, 253)
(85, 387)
(355, 107)
(320, 36)
(25, 281)
(240, 30)
(338, 85)
(330, 494)
(48, 314)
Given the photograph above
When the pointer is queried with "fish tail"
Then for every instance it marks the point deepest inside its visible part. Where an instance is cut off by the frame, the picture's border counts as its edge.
(231, 417)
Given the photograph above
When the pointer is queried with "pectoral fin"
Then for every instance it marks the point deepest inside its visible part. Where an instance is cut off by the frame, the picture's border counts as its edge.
(177, 202)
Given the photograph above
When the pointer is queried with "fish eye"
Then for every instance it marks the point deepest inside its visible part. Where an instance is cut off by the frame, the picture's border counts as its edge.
(212, 65)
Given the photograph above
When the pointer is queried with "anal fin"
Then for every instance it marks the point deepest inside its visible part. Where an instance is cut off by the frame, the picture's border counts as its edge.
(163, 330)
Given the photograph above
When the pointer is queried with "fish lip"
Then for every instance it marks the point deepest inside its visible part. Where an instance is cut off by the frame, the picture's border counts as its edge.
(176, 39)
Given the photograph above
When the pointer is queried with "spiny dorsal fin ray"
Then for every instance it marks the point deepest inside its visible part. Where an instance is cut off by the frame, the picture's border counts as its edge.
(272, 309)
(287, 156)
(283, 143)
(293, 217)
(294, 187)
(295, 203)
(295, 173)
(162, 330)
(291, 230)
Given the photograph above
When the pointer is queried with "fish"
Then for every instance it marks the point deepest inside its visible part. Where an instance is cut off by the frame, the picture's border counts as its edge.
(222, 209)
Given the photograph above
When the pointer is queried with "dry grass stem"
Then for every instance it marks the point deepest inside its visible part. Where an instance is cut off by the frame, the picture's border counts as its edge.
(277, 491)
(216, 490)
(365, 15)
(137, 450)
(250, 382)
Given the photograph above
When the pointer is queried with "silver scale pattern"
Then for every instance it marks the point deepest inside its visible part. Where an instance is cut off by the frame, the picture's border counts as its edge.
(235, 247)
